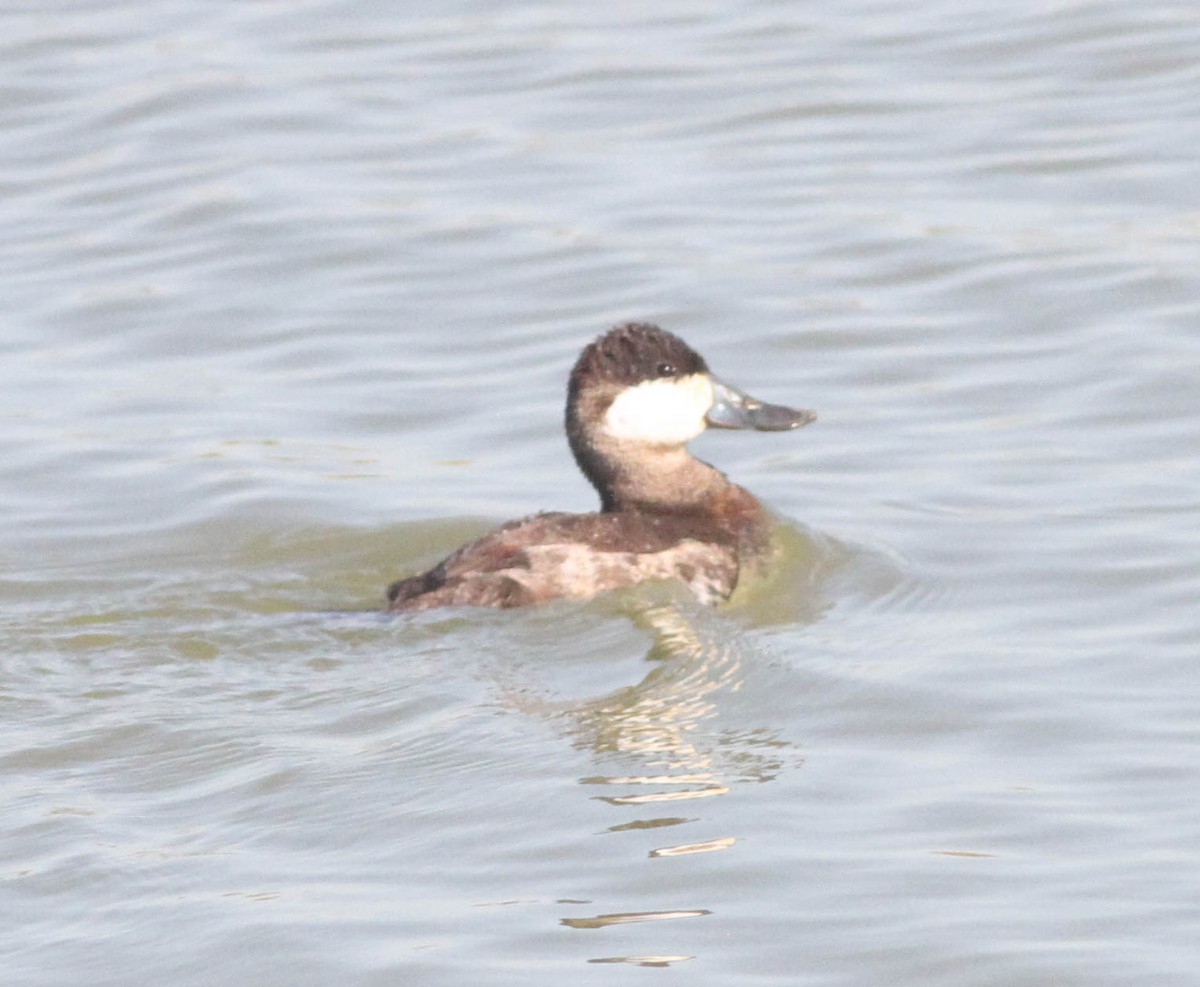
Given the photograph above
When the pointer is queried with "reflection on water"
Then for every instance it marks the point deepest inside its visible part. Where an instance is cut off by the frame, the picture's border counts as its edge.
(711, 787)
(658, 961)
(658, 823)
(668, 723)
(685, 848)
(696, 658)
(625, 918)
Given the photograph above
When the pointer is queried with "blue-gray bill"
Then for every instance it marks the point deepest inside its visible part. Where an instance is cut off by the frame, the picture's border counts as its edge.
(733, 409)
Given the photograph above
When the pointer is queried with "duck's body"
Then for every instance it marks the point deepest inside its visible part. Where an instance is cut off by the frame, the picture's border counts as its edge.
(575, 556)
(636, 396)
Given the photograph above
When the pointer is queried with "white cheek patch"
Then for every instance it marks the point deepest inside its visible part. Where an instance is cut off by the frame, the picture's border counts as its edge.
(669, 411)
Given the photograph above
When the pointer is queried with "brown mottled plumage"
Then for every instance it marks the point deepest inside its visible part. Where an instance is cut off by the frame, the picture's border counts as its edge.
(664, 514)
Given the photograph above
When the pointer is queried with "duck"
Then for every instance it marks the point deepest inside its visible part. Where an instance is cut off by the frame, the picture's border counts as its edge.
(635, 397)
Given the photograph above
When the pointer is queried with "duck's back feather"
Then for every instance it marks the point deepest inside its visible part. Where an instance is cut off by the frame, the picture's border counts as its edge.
(575, 556)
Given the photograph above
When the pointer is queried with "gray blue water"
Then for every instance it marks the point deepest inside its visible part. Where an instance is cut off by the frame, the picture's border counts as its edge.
(289, 296)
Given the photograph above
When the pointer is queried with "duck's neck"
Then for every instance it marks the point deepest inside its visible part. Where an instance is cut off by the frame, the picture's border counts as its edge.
(635, 477)
(666, 480)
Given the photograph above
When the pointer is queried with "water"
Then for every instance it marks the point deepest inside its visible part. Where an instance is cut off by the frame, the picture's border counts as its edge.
(290, 293)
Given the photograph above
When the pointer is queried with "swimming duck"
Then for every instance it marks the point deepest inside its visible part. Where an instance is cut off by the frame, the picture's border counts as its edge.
(636, 396)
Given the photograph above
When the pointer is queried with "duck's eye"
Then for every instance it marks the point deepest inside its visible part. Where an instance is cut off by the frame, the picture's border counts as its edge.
(665, 370)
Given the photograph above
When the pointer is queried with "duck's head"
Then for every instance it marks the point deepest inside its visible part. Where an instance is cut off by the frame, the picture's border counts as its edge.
(638, 393)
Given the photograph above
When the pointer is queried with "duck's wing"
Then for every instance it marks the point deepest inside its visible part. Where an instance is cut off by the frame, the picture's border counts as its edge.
(575, 556)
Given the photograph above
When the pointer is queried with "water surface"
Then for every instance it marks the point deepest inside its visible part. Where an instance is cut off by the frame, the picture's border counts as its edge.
(290, 297)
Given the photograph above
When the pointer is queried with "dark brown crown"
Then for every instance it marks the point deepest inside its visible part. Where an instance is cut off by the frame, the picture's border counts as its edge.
(632, 353)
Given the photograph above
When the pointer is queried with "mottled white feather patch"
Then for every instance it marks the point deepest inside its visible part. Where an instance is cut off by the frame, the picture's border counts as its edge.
(668, 411)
